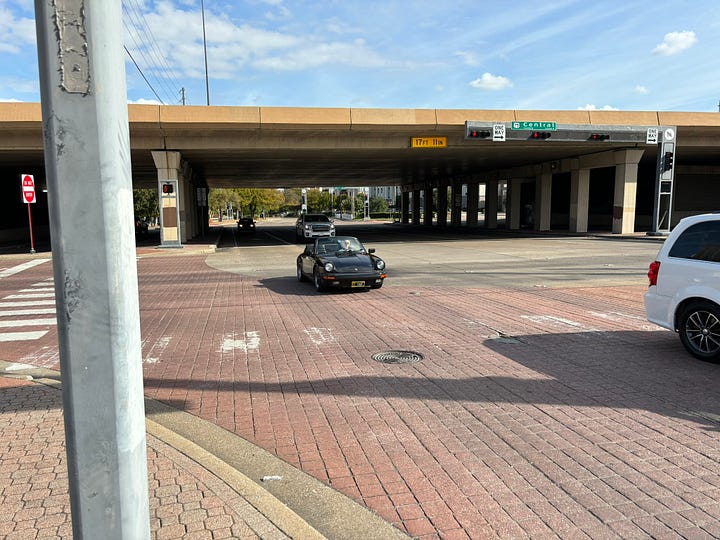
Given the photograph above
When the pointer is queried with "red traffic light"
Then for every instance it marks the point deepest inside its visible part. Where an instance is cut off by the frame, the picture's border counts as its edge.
(479, 133)
(540, 135)
(599, 137)
(168, 188)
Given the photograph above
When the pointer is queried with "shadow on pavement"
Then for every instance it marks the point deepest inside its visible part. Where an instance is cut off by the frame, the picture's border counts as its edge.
(617, 370)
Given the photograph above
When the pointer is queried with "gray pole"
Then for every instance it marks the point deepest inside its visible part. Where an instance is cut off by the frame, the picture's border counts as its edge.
(207, 79)
(87, 162)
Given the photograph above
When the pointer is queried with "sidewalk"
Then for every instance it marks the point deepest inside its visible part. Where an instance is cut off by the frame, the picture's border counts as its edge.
(193, 493)
(186, 500)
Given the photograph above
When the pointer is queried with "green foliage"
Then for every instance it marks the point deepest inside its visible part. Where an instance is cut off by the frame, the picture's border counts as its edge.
(250, 201)
(378, 205)
(145, 203)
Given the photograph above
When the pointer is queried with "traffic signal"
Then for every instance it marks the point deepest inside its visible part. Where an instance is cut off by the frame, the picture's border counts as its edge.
(599, 137)
(168, 188)
(539, 135)
(667, 162)
(474, 133)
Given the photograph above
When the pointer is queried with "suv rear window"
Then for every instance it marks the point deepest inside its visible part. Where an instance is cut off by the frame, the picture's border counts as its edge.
(700, 241)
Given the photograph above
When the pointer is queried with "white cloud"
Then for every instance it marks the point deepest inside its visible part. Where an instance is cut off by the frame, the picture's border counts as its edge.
(640, 89)
(488, 81)
(675, 42)
(10, 100)
(143, 101)
(590, 107)
(469, 58)
(16, 33)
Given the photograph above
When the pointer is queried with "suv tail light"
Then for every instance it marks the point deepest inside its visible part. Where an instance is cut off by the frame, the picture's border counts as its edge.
(653, 272)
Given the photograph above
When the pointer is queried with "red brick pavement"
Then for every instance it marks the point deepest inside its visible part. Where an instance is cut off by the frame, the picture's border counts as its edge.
(534, 413)
(185, 500)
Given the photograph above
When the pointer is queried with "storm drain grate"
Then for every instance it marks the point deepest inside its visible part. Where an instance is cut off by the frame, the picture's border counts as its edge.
(398, 357)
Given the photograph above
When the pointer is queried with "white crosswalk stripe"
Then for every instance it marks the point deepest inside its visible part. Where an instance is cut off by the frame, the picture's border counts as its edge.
(20, 309)
(27, 322)
(22, 336)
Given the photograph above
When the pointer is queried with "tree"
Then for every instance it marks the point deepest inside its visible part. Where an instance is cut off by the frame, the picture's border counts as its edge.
(378, 204)
(318, 201)
(145, 203)
(219, 198)
(253, 201)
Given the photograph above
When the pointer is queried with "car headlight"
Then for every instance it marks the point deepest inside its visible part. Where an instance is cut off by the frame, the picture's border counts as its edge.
(308, 227)
(379, 264)
(329, 267)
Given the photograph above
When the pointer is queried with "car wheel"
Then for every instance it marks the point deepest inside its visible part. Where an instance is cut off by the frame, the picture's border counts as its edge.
(376, 285)
(699, 329)
(300, 276)
(317, 281)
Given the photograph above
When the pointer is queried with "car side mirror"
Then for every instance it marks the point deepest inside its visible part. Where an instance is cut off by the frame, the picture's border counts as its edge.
(371, 250)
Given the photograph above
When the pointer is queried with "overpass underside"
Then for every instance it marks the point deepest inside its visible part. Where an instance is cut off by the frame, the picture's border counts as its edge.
(544, 185)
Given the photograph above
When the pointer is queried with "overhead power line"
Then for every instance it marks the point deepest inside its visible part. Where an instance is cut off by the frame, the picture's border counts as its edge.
(147, 50)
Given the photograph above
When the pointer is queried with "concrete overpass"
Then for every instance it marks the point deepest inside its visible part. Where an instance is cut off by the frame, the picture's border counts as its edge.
(575, 186)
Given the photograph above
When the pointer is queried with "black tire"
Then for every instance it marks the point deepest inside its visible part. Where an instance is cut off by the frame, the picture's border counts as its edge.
(699, 329)
(300, 276)
(317, 281)
(376, 285)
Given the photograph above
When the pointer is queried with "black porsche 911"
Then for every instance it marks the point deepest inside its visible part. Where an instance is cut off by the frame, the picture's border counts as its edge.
(340, 262)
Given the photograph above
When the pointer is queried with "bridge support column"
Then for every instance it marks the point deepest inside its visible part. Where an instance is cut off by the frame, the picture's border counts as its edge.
(427, 205)
(456, 205)
(543, 199)
(491, 204)
(513, 210)
(168, 170)
(579, 198)
(626, 170)
(442, 205)
(416, 207)
(405, 207)
(473, 192)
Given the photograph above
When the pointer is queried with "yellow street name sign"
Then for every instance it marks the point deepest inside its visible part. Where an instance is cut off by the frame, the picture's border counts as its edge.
(428, 142)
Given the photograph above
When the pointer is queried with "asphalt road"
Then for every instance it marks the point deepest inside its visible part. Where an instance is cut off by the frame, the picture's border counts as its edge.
(416, 256)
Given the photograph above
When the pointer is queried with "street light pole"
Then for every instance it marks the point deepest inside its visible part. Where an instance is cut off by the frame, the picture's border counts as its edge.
(207, 80)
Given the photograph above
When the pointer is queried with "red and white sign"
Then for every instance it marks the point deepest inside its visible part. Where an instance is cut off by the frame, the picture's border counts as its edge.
(28, 188)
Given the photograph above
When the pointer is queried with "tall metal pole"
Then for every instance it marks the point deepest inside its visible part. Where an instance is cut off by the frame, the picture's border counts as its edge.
(87, 162)
(207, 79)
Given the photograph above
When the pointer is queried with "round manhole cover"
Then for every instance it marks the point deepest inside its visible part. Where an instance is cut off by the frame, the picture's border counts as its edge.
(398, 357)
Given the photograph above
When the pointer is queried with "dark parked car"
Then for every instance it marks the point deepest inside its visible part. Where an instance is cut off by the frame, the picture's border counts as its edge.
(340, 262)
(141, 227)
(246, 224)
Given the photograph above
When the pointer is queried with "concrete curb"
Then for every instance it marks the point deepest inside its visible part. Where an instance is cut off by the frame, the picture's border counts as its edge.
(296, 503)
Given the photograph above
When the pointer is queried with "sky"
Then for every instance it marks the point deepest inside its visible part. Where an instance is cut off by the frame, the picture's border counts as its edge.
(633, 55)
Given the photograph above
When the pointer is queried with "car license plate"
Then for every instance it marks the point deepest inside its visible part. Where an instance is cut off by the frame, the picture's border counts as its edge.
(357, 284)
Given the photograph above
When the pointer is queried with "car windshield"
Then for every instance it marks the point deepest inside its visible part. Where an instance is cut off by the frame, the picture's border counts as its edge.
(340, 245)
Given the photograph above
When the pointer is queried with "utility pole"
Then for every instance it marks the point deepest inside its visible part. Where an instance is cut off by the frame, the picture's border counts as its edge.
(182, 94)
(87, 163)
(207, 79)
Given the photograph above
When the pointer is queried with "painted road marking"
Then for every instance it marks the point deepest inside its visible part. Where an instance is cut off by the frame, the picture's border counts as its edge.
(20, 267)
(27, 322)
(320, 335)
(22, 336)
(30, 295)
(17, 312)
(156, 350)
(28, 303)
(39, 287)
(250, 343)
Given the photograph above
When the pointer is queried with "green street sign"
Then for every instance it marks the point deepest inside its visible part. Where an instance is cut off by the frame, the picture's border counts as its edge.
(547, 126)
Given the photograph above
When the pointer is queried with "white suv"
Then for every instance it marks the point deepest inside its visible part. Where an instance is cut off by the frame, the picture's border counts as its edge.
(684, 293)
(313, 226)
